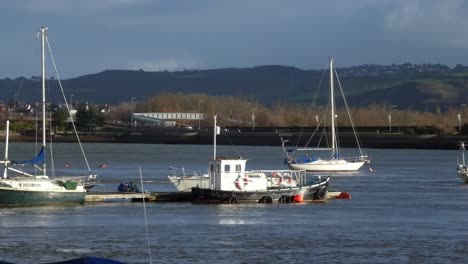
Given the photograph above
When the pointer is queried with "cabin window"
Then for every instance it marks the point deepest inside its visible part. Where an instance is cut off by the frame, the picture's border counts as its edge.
(212, 167)
(227, 168)
(238, 168)
(218, 168)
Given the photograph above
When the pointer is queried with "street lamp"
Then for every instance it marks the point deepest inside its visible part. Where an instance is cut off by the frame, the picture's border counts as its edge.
(253, 119)
(199, 114)
(390, 118)
(317, 116)
(131, 117)
(460, 117)
(15, 101)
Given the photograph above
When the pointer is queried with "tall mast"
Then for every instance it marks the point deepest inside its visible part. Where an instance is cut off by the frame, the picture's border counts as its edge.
(332, 104)
(215, 132)
(43, 32)
(463, 153)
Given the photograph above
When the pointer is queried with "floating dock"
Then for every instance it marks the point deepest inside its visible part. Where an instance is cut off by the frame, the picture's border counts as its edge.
(100, 197)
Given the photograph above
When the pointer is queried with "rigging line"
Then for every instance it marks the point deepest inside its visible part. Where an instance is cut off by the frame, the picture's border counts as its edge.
(52, 163)
(230, 142)
(232, 145)
(349, 114)
(146, 218)
(66, 104)
(314, 98)
(16, 97)
(317, 127)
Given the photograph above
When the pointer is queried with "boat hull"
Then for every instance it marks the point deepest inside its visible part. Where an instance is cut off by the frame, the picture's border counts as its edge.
(10, 197)
(328, 166)
(463, 174)
(185, 184)
(309, 193)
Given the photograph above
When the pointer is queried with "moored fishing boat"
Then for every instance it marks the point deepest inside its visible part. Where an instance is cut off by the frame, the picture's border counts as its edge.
(230, 183)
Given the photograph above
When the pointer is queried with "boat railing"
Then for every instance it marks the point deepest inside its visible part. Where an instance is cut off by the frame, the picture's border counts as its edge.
(364, 158)
(179, 171)
(281, 175)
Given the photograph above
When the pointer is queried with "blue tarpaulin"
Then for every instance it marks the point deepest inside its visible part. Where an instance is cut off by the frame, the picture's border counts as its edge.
(40, 158)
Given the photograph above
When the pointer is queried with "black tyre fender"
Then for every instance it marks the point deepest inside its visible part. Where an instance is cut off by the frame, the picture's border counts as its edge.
(320, 194)
(232, 200)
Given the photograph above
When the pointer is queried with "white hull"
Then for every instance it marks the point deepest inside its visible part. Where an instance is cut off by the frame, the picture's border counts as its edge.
(185, 184)
(463, 173)
(328, 165)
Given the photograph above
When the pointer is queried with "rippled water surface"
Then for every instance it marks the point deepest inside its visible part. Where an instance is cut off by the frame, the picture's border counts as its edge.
(413, 209)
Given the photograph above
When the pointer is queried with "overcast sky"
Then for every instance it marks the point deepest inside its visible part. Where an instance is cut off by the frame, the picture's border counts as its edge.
(90, 36)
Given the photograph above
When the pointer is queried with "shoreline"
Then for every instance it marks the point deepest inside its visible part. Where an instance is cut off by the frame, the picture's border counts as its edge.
(367, 140)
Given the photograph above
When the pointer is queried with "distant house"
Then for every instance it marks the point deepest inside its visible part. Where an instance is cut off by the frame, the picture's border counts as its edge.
(104, 108)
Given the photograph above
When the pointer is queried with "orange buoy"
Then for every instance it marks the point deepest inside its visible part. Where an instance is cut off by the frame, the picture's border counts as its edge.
(103, 166)
(298, 198)
(344, 195)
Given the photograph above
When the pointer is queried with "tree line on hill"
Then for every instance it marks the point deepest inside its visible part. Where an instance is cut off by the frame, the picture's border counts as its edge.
(240, 112)
(235, 111)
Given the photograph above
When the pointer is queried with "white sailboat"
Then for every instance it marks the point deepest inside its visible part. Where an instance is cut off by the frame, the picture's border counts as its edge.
(335, 163)
(462, 169)
(25, 189)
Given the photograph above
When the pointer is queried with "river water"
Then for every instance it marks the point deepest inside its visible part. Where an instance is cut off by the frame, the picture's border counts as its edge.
(413, 209)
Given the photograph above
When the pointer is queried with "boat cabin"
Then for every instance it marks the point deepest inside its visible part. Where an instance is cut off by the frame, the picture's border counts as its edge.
(228, 174)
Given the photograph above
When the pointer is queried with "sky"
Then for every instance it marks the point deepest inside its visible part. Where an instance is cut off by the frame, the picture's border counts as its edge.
(90, 36)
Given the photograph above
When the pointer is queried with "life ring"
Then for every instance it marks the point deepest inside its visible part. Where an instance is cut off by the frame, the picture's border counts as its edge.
(276, 178)
(241, 183)
(286, 180)
(320, 194)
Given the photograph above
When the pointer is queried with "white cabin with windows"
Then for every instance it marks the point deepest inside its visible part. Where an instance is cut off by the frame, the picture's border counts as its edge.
(229, 175)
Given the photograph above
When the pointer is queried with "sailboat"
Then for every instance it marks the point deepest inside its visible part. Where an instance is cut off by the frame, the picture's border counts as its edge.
(25, 189)
(462, 169)
(335, 163)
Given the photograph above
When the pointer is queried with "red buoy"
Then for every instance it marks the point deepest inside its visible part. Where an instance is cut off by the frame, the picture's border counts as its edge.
(66, 165)
(298, 198)
(103, 166)
(344, 195)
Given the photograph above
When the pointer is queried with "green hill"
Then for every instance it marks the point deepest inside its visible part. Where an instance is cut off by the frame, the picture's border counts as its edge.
(408, 86)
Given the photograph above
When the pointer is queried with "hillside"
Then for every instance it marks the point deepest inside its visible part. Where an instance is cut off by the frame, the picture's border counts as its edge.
(422, 87)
